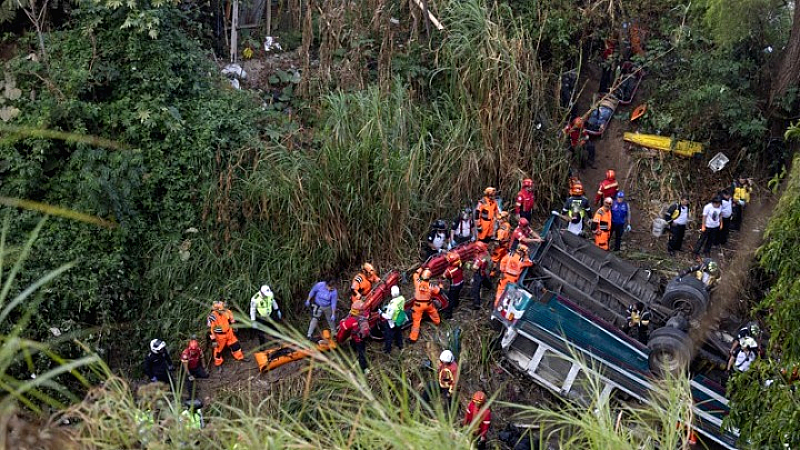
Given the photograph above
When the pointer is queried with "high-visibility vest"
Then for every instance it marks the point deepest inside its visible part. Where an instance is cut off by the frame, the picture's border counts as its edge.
(220, 321)
(263, 304)
(192, 420)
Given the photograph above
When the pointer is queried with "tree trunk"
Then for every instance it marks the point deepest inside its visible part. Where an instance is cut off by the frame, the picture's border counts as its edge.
(788, 76)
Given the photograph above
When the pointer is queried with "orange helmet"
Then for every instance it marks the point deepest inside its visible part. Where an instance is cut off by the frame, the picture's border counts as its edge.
(504, 214)
(577, 122)
(489, 191)
(576, 188)
(218, 305)
(357, 307)
(453, 258)
(426, 274)
(481, 246)
(527, 182)
(611, 175)
(479, 397)
(368, 268)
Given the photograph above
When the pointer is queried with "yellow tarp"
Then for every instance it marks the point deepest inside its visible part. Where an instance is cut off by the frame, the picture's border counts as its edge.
(665, 144)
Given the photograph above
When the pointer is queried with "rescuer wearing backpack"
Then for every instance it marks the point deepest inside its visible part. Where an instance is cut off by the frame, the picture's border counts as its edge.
(356, 327)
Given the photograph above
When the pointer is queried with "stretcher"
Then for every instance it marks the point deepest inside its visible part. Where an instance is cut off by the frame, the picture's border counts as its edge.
(665, 144)
(600, 117)
(285, 353)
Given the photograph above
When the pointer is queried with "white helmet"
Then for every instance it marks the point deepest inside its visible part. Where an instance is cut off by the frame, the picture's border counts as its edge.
(395, 291)
(446, 357)
(265, 291)
(749, 342)
(157, 345)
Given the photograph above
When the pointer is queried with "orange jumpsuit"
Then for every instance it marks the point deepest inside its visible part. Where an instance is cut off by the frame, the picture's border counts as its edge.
(503, 242)
(422, 305)
(219, 323)
(361, 285)
(601, 226)
(487, 211)
(512, 267)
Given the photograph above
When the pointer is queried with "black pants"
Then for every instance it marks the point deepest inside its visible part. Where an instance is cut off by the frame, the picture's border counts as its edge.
(605, 79)
(707, 239)
(676, 233)
(725, 231)
(360, 347)
(263, 337)
(478, 282)
(639, 332)
(391, 336)
(454, 298)
(197, 372)
(736, 218)
(617, 230)
(525, 214)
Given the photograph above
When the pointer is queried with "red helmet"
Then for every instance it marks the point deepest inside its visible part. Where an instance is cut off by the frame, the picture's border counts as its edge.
(523, 222)
(577, 122)
(611, 175)
(576, 188)
(193, 344)
(527, 182)
(479, 397)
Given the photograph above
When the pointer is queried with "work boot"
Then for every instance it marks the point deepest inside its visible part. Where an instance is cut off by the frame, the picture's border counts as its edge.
(245, 359)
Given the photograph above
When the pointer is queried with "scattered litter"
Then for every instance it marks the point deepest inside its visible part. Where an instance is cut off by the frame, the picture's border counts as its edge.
(234, 70)
(270, 43)
(191, 230)
(394, 21)
(718, 162)
(235, 83)
(55, 331)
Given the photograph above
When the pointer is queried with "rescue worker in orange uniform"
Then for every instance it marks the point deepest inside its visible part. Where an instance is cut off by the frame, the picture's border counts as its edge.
(601, 224)
(525, 200)
(477, 413)
(362, 282)
(455, 274)
(608, 187)
(422, 302)
(512, 266)
(219, 323)
(503, 238)
(486, 214)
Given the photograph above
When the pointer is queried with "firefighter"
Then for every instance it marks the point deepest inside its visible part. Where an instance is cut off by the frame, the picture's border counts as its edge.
(193, 364)
(576, 136)
(356, 327)
(608, 187)
(476, 412)
(486, 213)
(447, 374)
(157, 363)
(222, 336)
(512, 266)
(463, 229)
(423, 304)
(525, 200)
(262, 307)
(503, 240)
(394, 316)
(601, 224)
(363, 282)
(576, 202)
(639, 321)
(523, 234)
(480, 275)
(455, 274)
(324, 297)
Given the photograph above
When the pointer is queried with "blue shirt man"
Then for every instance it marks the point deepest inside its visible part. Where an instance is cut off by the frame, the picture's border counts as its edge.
(322, 301)
(620, 219)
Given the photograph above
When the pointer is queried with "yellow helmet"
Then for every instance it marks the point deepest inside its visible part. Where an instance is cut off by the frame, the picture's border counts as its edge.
(489, 191)
(368, 268)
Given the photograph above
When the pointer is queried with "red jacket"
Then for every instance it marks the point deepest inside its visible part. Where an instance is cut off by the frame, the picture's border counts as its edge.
(608, 188)
(486, 419)
(349, 328)
(525, 200)
(455, 275)
(577, 134)
(480, 264)
(192, 356)
(518, 234)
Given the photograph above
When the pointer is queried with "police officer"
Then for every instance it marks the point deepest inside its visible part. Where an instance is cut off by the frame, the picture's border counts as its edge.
(639, 321)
